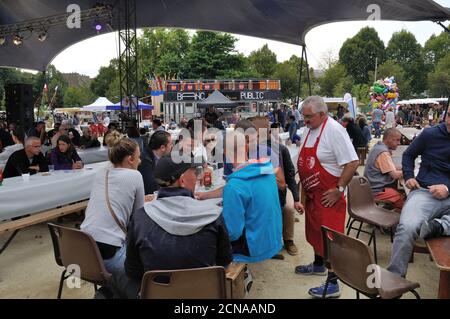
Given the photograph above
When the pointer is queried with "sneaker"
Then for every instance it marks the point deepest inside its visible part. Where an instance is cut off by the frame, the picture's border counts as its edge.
(248, 280)
(311, 269)
(333, 291)
(430, 229)
(290, 247)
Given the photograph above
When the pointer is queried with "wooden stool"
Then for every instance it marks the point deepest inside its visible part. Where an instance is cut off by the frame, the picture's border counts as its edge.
(235, 280)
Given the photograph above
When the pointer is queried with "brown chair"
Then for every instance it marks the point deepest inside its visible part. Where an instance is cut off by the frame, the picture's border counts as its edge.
(75, 247)
(362, 208)
(353, 263)
(196, 283)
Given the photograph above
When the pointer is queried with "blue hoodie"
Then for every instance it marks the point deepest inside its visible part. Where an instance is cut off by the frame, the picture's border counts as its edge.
(433, 144)
(252, 212)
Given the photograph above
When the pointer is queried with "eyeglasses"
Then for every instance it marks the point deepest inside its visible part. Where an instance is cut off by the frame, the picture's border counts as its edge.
(210, 140)
(308, 117)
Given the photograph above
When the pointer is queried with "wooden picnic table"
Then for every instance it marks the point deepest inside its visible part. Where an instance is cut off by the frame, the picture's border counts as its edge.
(440, 252)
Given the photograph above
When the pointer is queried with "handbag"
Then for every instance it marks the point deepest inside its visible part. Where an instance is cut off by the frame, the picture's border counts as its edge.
(108, 203)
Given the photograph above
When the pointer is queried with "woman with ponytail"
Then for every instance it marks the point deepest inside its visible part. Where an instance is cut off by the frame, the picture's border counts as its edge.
(118, 191)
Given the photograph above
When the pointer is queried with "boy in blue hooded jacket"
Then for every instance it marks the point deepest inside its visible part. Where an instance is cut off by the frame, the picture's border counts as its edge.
(251, 208)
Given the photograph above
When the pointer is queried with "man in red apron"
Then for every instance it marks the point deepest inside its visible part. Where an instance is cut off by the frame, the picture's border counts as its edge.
(326, 164)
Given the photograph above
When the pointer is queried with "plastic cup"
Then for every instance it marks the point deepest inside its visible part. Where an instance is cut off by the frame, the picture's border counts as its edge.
(155, 195)
(51, 168)
(26, 177)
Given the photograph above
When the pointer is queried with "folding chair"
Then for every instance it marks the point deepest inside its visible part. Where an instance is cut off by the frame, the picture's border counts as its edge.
(195, 283)
(75, 247)
(353, 263)
(362, 208)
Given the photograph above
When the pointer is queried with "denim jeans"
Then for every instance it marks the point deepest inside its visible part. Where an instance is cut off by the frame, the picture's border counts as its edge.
(377, 126)
(419, 207)
(117, 262)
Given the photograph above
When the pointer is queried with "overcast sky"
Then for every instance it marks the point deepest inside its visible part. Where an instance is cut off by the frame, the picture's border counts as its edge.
(88, 56)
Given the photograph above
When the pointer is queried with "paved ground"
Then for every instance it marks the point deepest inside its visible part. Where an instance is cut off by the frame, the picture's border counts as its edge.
(28, 270)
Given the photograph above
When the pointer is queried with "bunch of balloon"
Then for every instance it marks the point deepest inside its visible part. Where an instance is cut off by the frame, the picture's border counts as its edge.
(384, 93)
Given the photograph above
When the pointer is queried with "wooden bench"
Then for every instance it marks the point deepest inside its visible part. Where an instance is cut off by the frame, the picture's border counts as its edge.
(235, 281)
(37, 218)
(440, 252)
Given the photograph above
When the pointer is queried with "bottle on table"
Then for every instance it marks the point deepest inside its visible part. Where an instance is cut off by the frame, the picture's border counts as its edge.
(207, 177)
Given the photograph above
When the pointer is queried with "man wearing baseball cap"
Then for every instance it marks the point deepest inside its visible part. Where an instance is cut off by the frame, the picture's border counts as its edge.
(175, 231)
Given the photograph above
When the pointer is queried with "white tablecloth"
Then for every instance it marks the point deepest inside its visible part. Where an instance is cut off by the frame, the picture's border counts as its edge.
(409, 132)
(93, 155)
(18, 198)
(174, 133)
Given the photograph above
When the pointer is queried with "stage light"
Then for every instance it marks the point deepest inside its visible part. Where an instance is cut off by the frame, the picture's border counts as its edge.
(17, 40)
(42, 36)
(98, 26)
(2, 40)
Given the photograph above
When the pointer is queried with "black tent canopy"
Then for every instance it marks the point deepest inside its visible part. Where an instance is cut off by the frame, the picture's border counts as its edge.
(217, 100)
(280, 20)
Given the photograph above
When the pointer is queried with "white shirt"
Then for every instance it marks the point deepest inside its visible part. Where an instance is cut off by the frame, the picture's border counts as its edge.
(126, 195)
(335, 147)
(297, 115)
(200, 150)
(390, 119)
(106, 121)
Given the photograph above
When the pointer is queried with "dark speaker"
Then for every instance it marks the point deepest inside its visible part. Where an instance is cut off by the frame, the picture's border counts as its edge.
(19, 104)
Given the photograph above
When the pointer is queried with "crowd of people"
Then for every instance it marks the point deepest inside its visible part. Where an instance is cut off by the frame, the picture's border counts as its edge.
(145, 211)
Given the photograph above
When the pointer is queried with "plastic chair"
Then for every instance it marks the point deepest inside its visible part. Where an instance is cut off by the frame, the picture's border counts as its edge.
(75, 247)
(196, 283)
(353, 263)
(362, 208)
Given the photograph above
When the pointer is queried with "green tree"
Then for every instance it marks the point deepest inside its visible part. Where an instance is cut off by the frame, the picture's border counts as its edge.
(358, 54)
(439, 79)
(113, 91)
(287, 73)
(56, 85)
(78, 96)
(263, 61)
(436, 48)
(211, 55)
(162, 51)
(361, 92)
(404, 49)
(106, 75)
(335, 80)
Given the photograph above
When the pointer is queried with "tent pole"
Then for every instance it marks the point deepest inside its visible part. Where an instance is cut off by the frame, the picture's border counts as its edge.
(446, 109)
(300, 77)
(307, 72)
(443, 26)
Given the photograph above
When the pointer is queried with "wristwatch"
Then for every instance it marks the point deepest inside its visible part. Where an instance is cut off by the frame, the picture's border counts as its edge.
(341, 188)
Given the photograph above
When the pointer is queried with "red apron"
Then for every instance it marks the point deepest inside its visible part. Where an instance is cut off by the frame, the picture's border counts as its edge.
(316, 181)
